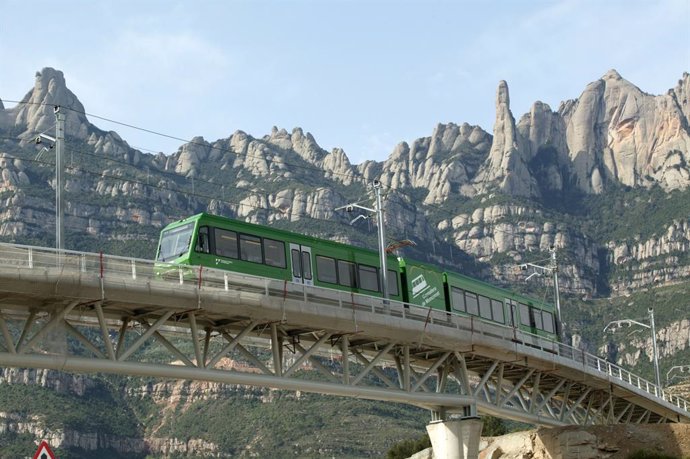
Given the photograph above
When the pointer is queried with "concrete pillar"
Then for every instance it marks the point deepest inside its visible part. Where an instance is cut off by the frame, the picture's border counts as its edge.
(456, 438)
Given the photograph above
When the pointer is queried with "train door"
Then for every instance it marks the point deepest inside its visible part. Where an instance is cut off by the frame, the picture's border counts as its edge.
(300, 256)
(511, 313)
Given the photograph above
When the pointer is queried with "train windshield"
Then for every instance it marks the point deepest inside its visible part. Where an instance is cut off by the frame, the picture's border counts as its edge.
(175, 242)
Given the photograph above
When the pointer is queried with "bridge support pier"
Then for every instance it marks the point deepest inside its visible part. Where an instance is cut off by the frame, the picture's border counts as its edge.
(456, 438)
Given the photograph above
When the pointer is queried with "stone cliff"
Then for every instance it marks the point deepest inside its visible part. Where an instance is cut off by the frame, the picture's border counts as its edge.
(477, 202)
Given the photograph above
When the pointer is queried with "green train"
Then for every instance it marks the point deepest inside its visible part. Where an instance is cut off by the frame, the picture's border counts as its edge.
(223, 243)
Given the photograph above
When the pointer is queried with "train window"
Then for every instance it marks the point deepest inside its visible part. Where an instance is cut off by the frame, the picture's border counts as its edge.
(538, 322)
(306, 265)
(202, 245)
(472, 303)
(346, 273)
(250, 248)
(524, 315)
(548, 322)
(497, 311)
(484, 307)
(175, 242)
(458, 299)
(225, 242)
(274, 252)
(392, 282)
(296, 265)
(368, 278)
(325, 269)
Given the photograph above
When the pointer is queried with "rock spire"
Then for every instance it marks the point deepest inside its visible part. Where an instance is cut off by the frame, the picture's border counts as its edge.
(505, 167)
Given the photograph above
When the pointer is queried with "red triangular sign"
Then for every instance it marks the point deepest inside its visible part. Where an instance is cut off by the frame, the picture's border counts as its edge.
(44, 451)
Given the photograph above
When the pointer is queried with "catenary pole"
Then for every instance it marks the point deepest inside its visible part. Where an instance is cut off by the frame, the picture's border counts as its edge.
(382, 239)
(378, 212)
(554, 267)
(59, 179)
(654, 348)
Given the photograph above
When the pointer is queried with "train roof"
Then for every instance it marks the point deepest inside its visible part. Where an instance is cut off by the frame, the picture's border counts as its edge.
(278, 232)
(402, 262)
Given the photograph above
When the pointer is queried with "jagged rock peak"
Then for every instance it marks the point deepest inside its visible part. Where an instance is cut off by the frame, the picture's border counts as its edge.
(613, 79)
(303, 145)
(2, 106)
(502, 94)
(681, 94)
(337, 166)
(189, 156)
(612, 75)
(306, 146)
(618, 133)
(505, 167)
(36, 110)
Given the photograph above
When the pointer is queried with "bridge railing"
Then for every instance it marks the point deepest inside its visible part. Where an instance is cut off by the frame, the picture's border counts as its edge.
(112, 267)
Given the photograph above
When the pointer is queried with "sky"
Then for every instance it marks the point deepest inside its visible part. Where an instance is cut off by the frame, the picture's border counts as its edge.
(359, 75)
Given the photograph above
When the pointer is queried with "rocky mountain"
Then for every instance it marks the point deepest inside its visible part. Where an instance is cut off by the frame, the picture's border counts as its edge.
(605, 179)
(592, 442)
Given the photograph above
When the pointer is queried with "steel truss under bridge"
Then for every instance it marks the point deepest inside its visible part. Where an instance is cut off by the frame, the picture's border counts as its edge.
(83, 312)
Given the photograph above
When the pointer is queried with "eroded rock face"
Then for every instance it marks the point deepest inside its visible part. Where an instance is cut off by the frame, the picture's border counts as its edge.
(36, 112)
(170, 396)
(49, 379)
(506, 167)
(542, 140)
(671, 339)
(337, 167)
(615, 132)
(441, 164)
(612, 134)
(592, 442)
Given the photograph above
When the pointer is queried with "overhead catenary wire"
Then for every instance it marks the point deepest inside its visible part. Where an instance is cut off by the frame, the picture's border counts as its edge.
(194, 194)
(247, 155)
(181, 139)
(208, 145)
(159, 187)
(493, 228)
(225, 150)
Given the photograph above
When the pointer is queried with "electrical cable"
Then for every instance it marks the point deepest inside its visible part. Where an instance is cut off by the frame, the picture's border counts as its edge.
(225, 150)
(140, 182)
(246, 155)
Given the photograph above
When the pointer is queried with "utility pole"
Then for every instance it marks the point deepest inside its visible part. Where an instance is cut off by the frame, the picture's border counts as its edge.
(59, 185)
(58, 143)
(382, 239)
(553, 270)
(654, 348)
(378, 211)
(612, 326)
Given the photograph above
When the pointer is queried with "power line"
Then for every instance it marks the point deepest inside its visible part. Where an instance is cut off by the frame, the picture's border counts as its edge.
(246, 155)
(187, 141)
(222, 185)
(225, 150)
(201, 195)
(186, 193)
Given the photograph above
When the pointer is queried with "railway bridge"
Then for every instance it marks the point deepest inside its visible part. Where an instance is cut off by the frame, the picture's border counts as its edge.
(455, 366)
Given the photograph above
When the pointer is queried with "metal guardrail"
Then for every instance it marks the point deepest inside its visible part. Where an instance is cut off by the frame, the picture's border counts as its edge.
(111, 267)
